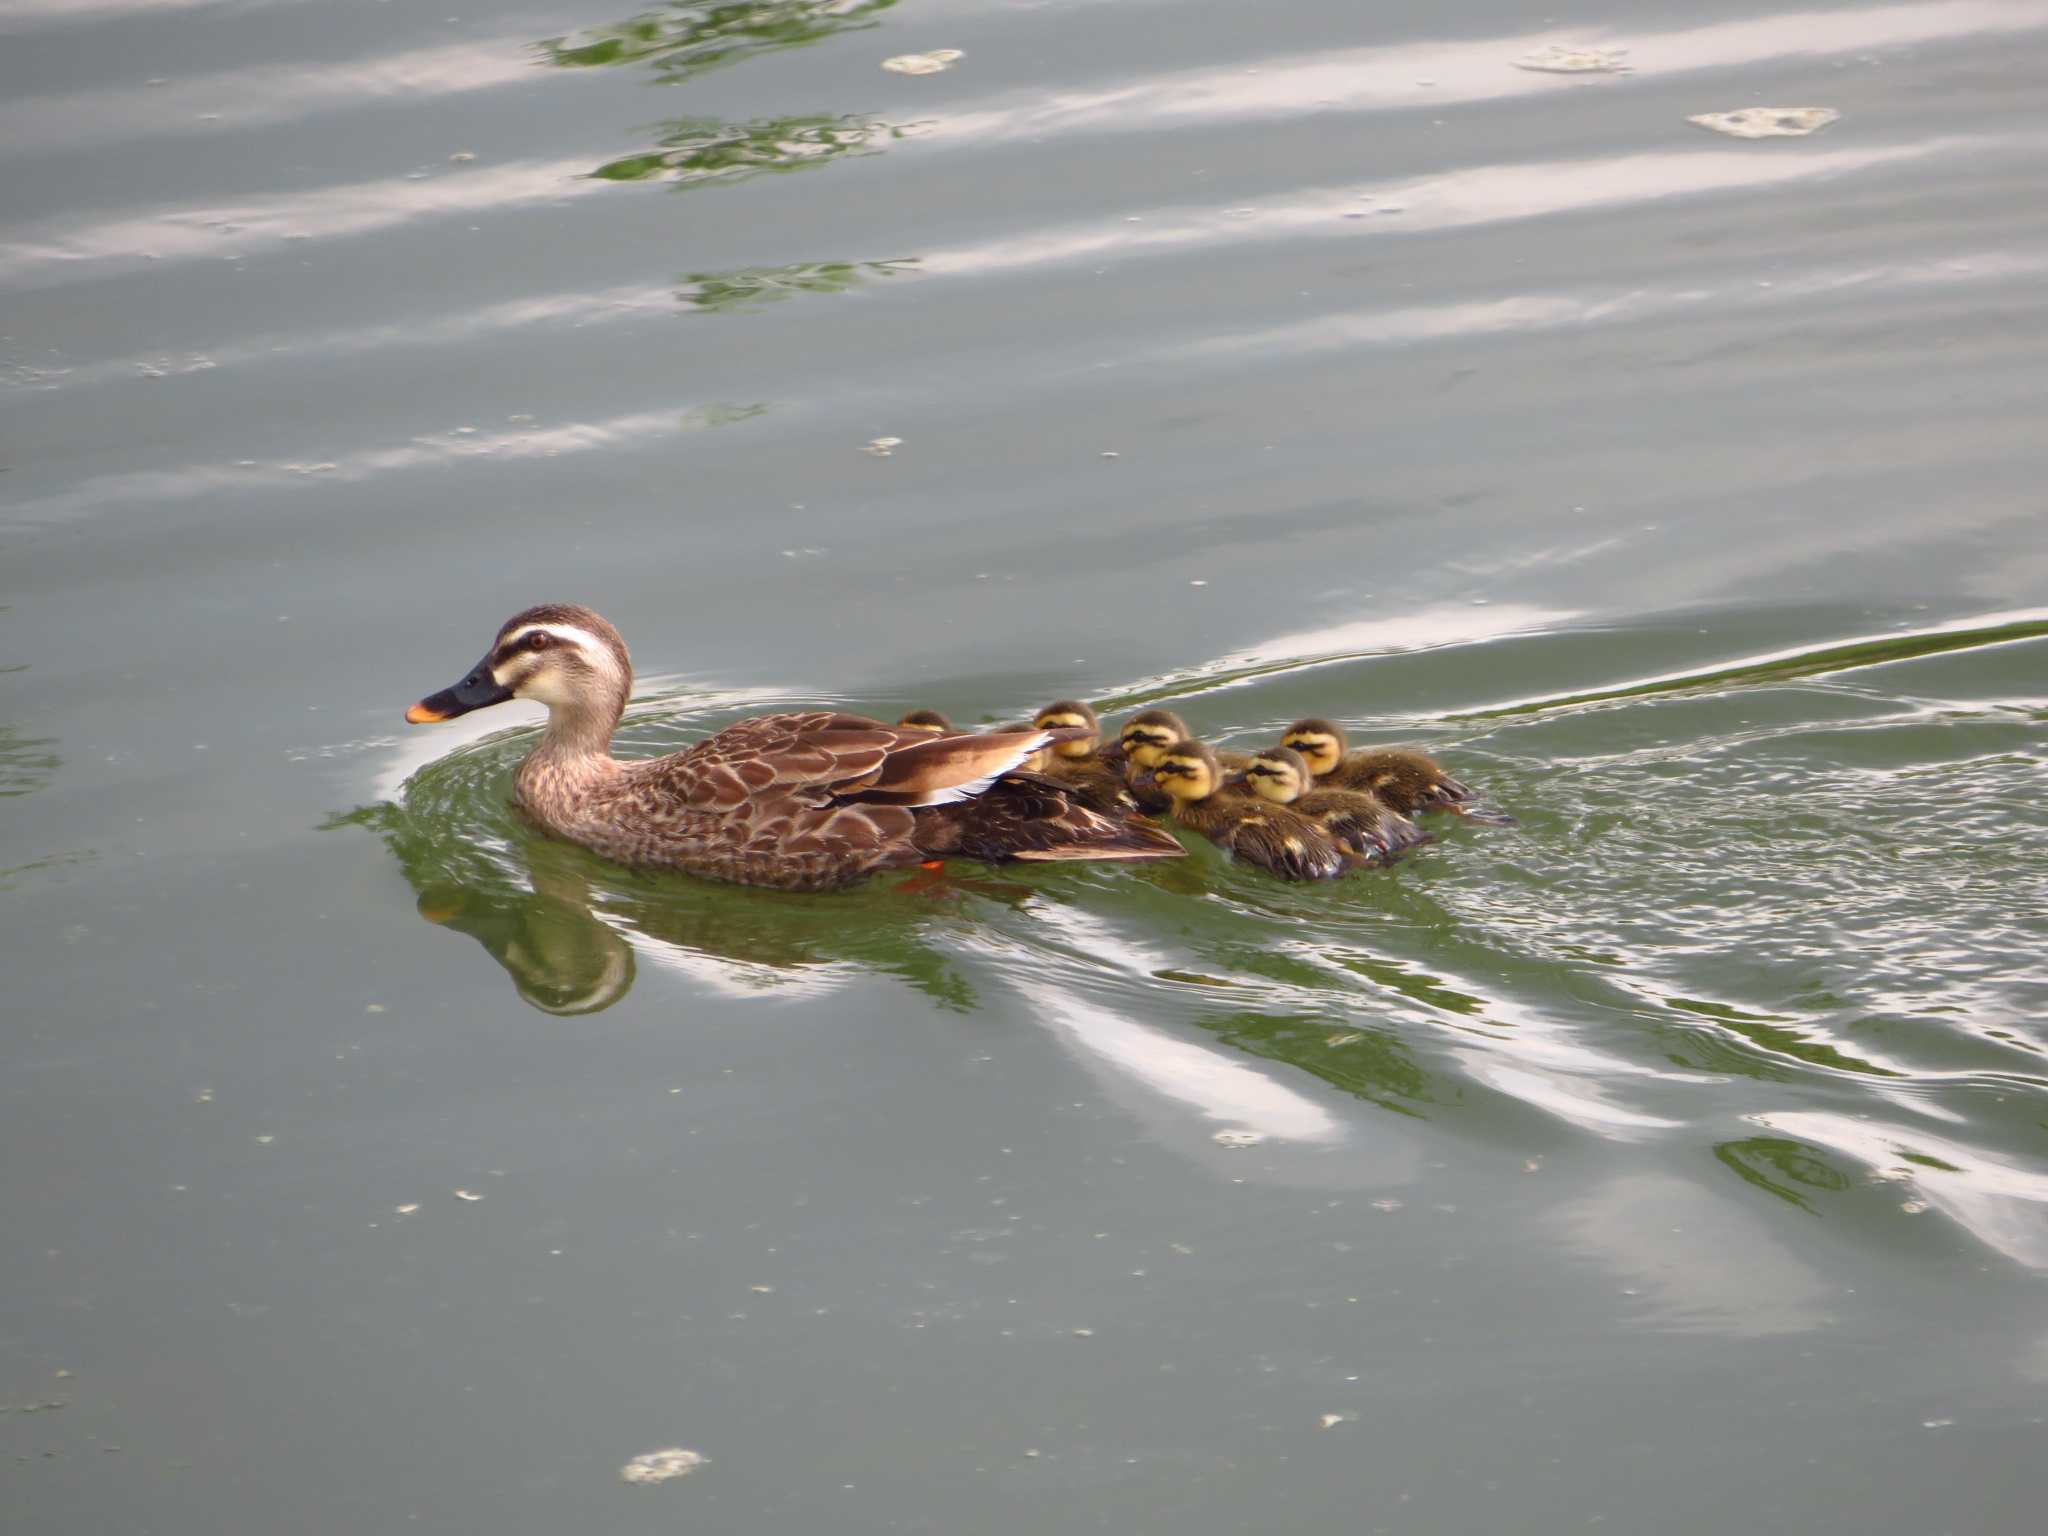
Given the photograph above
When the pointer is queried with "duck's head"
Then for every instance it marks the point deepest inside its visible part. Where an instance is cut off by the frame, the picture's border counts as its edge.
(926, 720)
(1188, 770)
(1321, 742)
(1145, 736)
(1070, 715)
(558, 654)
(1279, 774)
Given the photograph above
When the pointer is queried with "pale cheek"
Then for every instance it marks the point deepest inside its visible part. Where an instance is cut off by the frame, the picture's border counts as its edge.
(546, 687)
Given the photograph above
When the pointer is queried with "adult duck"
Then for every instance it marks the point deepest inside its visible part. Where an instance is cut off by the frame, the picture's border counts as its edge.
(802, 802)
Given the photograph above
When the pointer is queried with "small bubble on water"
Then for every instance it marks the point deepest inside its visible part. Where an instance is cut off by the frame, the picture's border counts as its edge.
(1237, 1138)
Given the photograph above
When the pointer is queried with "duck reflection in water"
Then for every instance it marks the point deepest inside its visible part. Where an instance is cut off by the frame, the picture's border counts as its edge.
(572, 931)
(560, 957)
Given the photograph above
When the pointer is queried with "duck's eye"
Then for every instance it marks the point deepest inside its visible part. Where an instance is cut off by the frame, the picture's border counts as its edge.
(538, 640)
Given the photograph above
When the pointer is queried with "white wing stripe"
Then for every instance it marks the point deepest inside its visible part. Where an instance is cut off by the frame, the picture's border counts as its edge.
(974, 787)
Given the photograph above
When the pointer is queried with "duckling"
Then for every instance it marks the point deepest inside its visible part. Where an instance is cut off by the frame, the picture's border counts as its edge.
(926, 720)
(1356, 818)
(1274, 837)
(801, 801)
(1405, 779)
(1145, 736)
(1076, 760)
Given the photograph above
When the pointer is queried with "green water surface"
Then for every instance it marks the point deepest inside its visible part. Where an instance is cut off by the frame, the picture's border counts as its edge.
(1673, 1161)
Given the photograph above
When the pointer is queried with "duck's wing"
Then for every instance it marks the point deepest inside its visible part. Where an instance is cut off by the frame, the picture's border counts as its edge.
(822, 758)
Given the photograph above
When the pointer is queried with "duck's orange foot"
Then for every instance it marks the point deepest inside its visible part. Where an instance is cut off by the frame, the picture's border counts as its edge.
(930, 880)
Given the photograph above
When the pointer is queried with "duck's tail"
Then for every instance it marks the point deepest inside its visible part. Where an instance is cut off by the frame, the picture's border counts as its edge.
(1024, 816)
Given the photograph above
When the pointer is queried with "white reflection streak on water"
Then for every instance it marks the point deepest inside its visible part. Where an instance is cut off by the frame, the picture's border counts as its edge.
(254, 97)
(1419, 323)
(1424, 629)
(1363, 79)
(728, 975)
(1712, 671)
(1484, 194)
(421, 452)
(1191, 1074)
(1558, 311)
(358, 208)
(1390, 327)
(627, 302)
(1480, 70)
(1999, 1203)
(1223, 1087)
(22, 15)
(1546, 1093)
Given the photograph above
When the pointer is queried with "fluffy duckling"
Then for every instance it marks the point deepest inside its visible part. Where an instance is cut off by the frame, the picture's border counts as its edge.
(1145, 736)
(1076, 759)
(1274, 837)
(1405, 779)
(926, 720)
(1356, 818)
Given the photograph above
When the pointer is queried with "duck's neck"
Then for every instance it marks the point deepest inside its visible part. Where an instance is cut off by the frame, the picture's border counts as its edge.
(573, 758)
(578, 733)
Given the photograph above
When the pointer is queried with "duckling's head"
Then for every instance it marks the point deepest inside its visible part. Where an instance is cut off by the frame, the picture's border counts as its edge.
(1188, 770)
(1070, 715)
(1279, 774)
(1321, 742)
(1145, 736)
(926, 720)
(558, 654)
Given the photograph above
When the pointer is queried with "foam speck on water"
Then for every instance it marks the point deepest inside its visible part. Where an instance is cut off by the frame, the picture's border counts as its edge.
(931, 63)
(660, 1466)
(1768, 122)
(1562, 59)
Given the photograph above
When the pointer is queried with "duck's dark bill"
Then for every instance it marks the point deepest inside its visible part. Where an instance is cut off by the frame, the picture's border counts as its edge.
(476, 691)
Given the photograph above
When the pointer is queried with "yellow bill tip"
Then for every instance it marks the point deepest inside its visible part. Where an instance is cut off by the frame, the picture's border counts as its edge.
(420, 714)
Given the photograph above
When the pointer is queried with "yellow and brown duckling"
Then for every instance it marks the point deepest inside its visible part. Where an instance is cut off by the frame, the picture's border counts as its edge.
(1405, 779)
(1356, 818)
(1140, 744)
(1274, 837)
(798, 801)
(926, 720)
(1076, 759)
